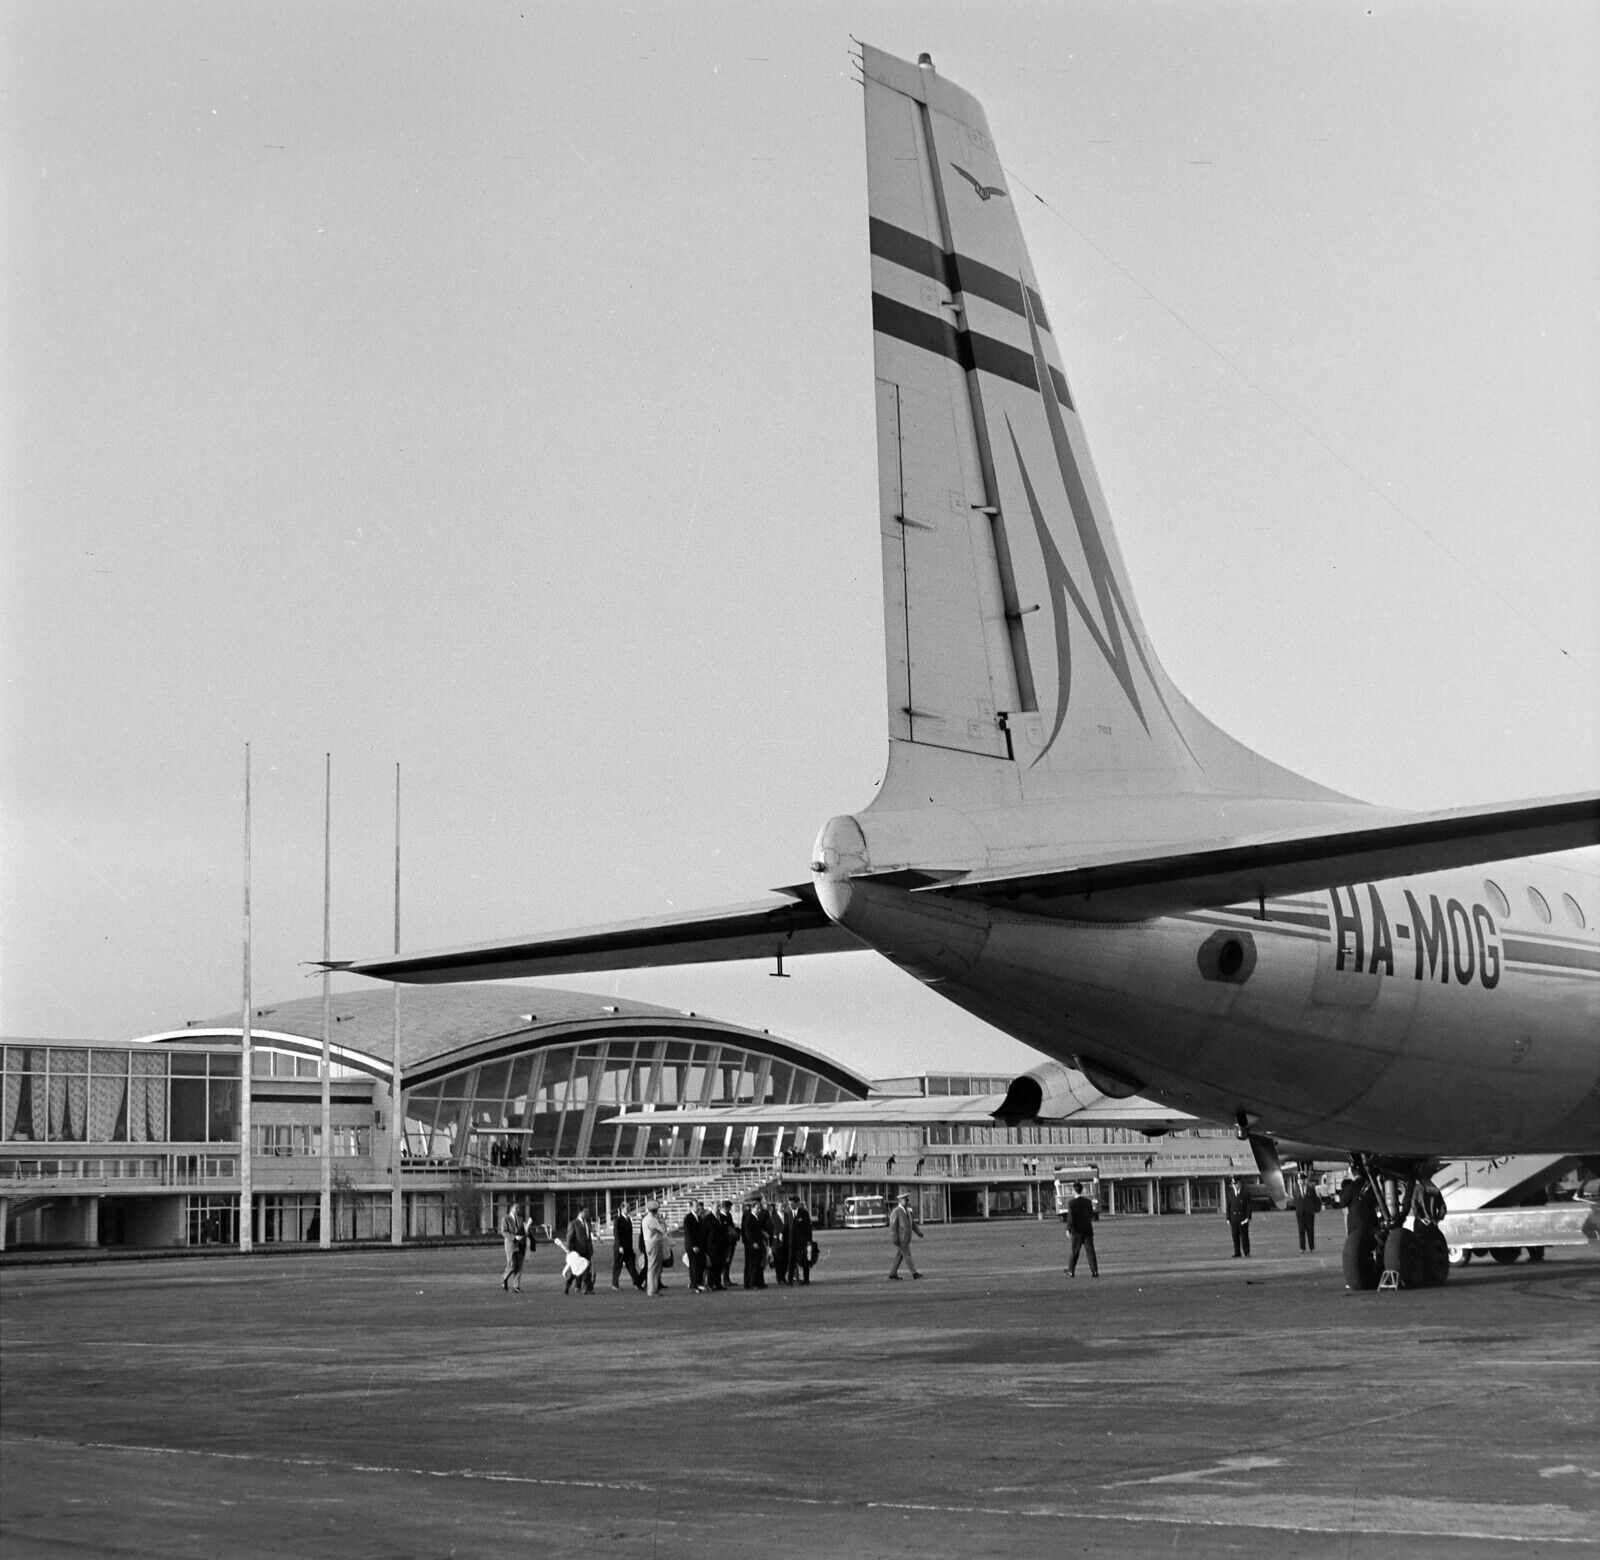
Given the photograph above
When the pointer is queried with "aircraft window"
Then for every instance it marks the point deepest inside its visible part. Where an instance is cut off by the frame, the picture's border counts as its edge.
(1575, 910)
(1540, 908)
(1498, 898)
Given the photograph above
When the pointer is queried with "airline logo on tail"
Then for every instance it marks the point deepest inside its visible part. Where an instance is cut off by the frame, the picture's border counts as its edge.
(1112, 630)
(1109, 621)
(985, 191)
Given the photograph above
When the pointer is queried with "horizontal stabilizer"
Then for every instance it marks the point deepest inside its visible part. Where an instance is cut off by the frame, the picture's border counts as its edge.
(1137, 887)
(752, 931)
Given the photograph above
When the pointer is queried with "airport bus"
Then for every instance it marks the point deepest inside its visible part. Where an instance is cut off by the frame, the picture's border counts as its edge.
(865, 1213)
(1065, 1175)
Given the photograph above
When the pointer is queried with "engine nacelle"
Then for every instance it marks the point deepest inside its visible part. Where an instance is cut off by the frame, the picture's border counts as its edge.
(1050, 1092)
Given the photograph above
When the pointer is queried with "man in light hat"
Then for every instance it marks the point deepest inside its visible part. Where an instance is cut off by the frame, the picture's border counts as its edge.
(514, 1231)
(902, 1226)
(654, 1230)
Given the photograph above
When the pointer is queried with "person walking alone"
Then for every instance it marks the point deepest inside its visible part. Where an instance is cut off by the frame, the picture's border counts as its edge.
(902, 1226)
(1080, 1225)
(514, 1231)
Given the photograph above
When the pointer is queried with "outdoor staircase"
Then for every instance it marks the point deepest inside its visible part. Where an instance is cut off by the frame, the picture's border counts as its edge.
(733, 1185)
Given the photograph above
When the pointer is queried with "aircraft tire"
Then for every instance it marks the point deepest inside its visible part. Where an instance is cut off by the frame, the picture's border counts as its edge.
(1401, 1255)
(1435, 1253)
(1505, 1255)
(1363, 1267)
(1536, 1253)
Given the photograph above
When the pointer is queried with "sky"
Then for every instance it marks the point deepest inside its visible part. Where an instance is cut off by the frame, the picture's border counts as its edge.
(486, 389)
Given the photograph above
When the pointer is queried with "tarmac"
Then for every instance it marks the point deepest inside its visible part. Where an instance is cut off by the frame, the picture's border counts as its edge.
(381, 1403)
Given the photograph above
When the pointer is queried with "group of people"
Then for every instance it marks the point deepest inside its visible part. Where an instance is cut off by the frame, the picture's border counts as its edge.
(1238, 1208)
(507, 1151)
(793, 1159)
(778, 1237)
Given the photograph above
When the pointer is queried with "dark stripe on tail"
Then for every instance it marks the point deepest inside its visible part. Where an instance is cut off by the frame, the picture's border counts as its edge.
(957, 272)
(965, 347)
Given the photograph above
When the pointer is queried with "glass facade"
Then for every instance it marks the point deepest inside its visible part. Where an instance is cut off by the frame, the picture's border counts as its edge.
(87, 1094)
(289, 1142)
(267, 1061)
(592, 1100)
(967, 1084)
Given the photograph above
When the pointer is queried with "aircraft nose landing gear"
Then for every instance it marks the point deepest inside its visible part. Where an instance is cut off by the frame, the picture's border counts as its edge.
(1394, 1240)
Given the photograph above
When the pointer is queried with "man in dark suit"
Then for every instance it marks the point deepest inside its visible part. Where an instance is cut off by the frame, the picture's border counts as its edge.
(1307, 1205)
(711, 1232)
(580, 1243)
(730, 1240)
(622, 1255)
(1238, 1210)
(779, 1226)
(1080, 1225)
(800, 1245)
(694, 1242)
(754, 1231)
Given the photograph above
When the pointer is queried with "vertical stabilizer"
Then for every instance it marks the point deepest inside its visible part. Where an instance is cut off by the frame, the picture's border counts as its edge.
(1013, 635)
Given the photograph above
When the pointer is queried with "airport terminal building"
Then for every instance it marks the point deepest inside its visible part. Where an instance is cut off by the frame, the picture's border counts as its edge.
(553, 1097)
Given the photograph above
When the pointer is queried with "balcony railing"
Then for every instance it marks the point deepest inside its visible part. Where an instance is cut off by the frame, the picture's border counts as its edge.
(106, 1170)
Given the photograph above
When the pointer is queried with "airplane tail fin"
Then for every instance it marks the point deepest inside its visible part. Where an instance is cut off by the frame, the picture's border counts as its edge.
(1018, 665)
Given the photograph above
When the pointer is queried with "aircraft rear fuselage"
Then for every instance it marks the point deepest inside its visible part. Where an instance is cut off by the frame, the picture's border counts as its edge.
(1408, 1016)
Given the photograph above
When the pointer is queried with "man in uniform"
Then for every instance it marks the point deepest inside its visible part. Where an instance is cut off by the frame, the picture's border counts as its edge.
(1238, 1210)
(1307, 1204)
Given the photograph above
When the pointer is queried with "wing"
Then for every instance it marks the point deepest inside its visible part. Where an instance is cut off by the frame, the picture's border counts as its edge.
(1137, 887)
(753, 931)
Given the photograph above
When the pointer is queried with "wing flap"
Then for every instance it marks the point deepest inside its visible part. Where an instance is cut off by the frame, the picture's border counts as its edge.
(1139, 887)
(751, 931)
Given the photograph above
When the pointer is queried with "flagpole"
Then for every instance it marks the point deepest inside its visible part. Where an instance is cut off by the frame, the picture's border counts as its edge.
(325, 1215)
(397, 1111)
(246, 1191)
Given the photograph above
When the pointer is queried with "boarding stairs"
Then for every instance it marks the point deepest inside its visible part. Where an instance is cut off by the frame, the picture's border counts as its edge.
(731, 1185)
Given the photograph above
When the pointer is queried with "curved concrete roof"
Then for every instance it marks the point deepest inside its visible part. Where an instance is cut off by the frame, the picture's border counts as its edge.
(443, 1027)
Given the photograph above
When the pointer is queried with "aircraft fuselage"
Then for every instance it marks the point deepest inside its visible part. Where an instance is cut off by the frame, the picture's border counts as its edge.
(1412, 1016)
